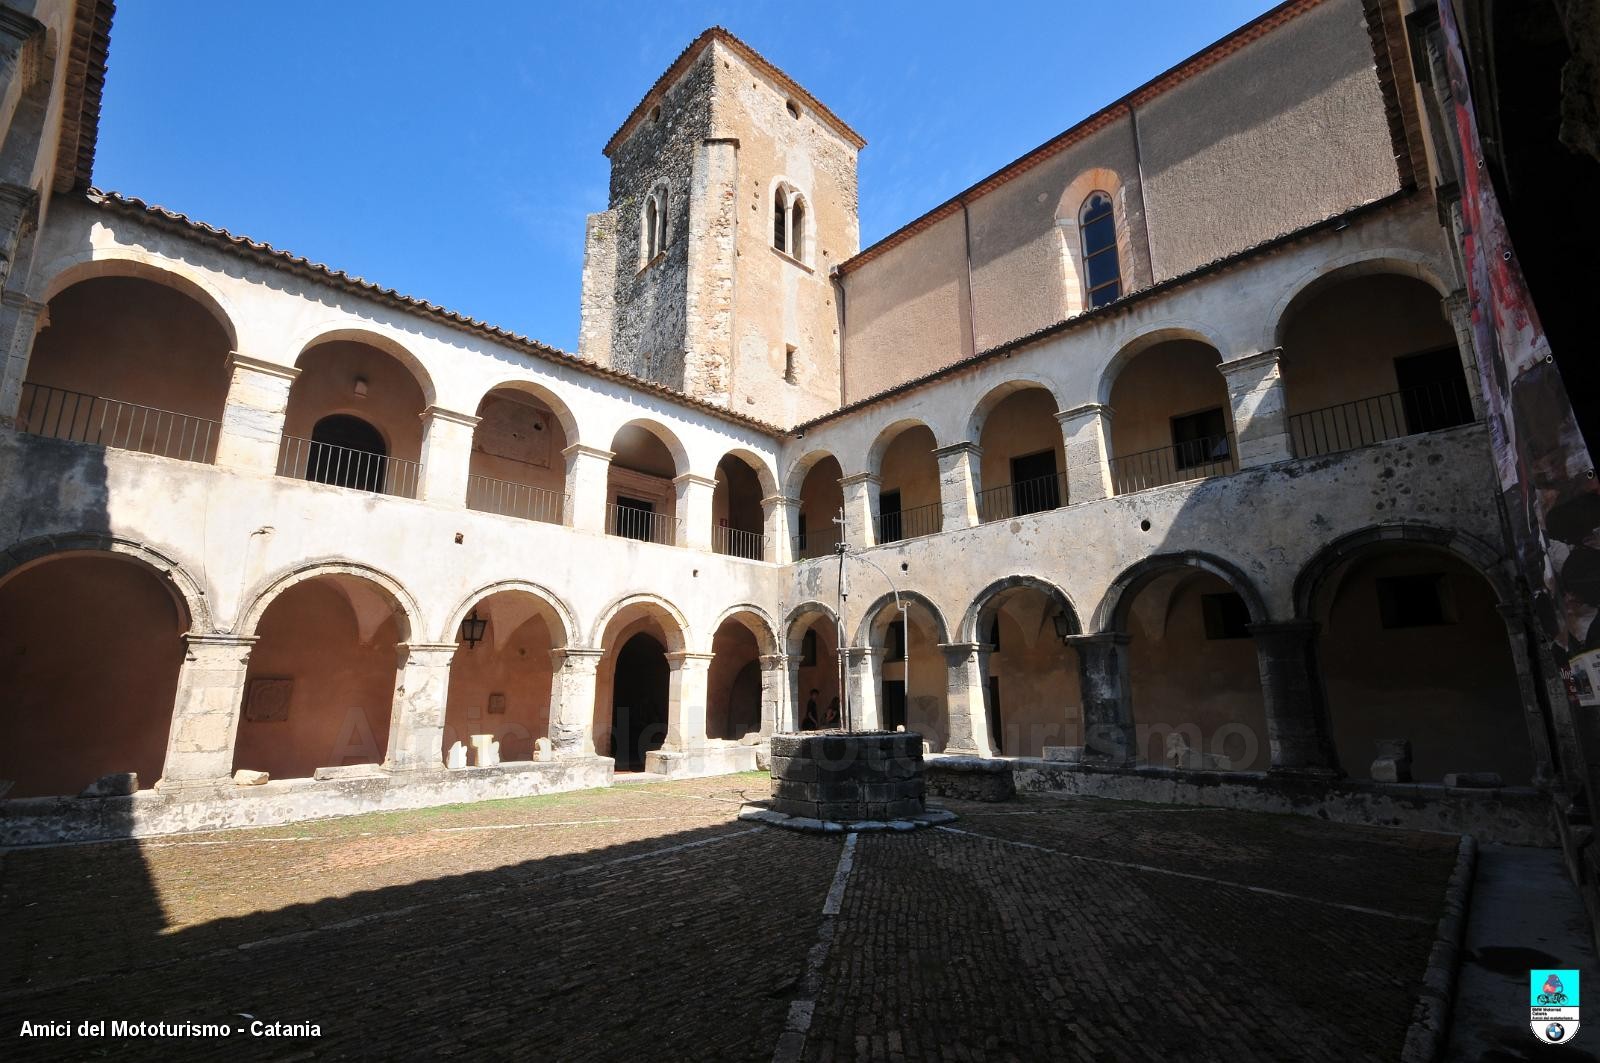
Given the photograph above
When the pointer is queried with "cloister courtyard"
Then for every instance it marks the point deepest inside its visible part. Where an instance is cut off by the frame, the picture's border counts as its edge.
(646, 921)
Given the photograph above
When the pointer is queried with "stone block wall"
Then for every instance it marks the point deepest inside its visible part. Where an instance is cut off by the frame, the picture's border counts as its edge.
(848, 777)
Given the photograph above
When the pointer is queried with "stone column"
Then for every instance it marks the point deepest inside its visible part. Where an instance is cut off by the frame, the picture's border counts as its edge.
(446, 456)
(1532, 711)
(774, 693)
(861, 509)
(1086, 432)
(20, 321)
(795, 703)
(695, 493)
(1260, 409)
(1108, 731)
(416, 723)
(780, 516)
(686, 701)
(252, 419)
(587, 487)
(205, 711)
(959, 484)
(865, 665)
(966, 692)
(1297, 710)
(572, 672)
(1458, 310)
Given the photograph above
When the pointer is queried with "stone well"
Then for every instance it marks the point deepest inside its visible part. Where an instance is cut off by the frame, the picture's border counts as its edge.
(848, 776)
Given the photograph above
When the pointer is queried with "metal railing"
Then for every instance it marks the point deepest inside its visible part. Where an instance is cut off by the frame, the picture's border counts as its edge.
(1363, 422)
(909, 523)
(81, 418)
(811, 544)
(1022, 497)
(488, 495)
(736, 542)
(1194, 459)
(359, 470)
(641, 524)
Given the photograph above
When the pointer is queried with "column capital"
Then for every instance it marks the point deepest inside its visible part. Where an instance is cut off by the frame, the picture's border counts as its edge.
(683, 659)
(1457, 302)
(771, 661)
(425, 650)
(860, 478)
(694, 479)
(261, 366)
(959, 650)
(779, 500)
(1086, 410)
(583, 450)
(856, 653)
(965, 446)
(439, 413)
(1251, 362)
(15, 299)
(577, 656)
(1096, 639)
(219, 639)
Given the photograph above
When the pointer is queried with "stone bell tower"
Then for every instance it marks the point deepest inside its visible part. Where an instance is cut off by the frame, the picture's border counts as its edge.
(733, 195)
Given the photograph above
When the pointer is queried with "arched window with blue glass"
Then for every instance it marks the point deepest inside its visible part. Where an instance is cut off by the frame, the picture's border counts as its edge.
(1102, 272)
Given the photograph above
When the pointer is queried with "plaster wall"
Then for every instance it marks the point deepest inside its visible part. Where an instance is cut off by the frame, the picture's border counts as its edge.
(1040, 701)
(1166, 381)
(513, 663)
(520, 441)
(393, 403)
(1022, 424)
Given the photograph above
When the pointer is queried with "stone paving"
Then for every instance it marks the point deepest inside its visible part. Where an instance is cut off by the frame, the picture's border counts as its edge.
(645, 922)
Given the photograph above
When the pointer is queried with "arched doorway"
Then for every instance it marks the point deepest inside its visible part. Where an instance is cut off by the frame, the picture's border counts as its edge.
(517, 468)
(733, 702)
(1410, 645)
(347, 452)
(640, 689)
(641, 497)
(736, 510)
(500, 684)
(1033, 698)
(320, 687)
(129, 363)
(1172, 418)
(93, 646)
(913, 685)
(1194, 672)
(813, 648)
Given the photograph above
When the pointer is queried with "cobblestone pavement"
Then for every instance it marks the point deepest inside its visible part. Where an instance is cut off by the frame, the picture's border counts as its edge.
(644, 922)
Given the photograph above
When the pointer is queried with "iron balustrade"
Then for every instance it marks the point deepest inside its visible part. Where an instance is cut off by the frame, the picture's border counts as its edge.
(736, 542)
(809, 545)
(909, 523)
(359, 470)
(57, 413)
(632, 523)
(1193, 459)
(488, 495)
(1023, 497)
(1361, 423)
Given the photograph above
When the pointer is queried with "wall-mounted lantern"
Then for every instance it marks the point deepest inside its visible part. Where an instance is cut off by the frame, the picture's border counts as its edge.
(472, 629)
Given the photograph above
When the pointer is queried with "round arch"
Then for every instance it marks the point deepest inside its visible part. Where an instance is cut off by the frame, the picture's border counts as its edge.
(563, 413)
(870, 615)
(1160, 332)
(794, 480)
(313, 338)
(269, 591)
(187, 592)
(1396, 261)
(65, 272)
(758, 465)
(1474, 552)
(676, 627)
(887, 436)
(558, 608)
(968, 632)
(803, 616)
(1002, 391)
(756, 620)
(667, 438)
(1112, 612)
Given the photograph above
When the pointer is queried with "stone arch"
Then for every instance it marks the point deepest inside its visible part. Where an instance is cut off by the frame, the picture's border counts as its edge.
(667, 437)
(887, 436)
(795, 478)
(997, 394)
(1395, 260)
(340, 331)
(804, 615)
(756, 620)
(1479, 555)
(269, 591)
(559, 608)
(1111, 614)
(758, 465)
(869, 615)
(969, 629)
(1160, 332)
(676, 627)
(188, 593)
(563, 412)
(64, 272)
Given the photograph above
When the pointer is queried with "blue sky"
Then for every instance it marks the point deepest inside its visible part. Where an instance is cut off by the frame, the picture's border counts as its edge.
(451, 151)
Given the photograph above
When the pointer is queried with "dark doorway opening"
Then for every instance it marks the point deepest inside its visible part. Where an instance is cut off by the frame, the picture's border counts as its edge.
(633, 518)
(347, 452)
(889, 526)
(894, 704)
(1433, 390)
(639, 694)
(1034, 486)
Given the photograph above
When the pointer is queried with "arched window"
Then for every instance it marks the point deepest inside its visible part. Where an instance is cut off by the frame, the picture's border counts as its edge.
(653, 224)
(789, 221)
(780, 220)
(797, 228)
(348, 452)
(1101, 271)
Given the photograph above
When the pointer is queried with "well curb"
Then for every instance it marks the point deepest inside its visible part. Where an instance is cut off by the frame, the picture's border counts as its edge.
(1430, 1018)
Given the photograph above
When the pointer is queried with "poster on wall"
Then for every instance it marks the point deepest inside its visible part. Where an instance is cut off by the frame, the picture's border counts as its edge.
(1545, 473)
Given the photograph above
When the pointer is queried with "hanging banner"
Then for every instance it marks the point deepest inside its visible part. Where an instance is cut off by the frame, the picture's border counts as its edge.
(1545, 473)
